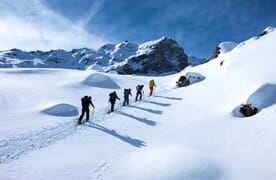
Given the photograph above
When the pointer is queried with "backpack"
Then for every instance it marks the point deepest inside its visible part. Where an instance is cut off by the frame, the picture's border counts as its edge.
(126, 92)
(85, 101)
(151, 83)
(112, 96)
(138, 88)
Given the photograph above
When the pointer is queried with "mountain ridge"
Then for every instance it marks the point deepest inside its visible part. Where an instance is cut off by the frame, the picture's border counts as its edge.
(122, 57)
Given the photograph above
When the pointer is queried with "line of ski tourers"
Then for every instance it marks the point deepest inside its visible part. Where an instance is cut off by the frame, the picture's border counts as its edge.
(87, 100)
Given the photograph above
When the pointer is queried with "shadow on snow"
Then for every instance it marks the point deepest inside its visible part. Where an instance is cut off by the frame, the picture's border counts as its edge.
(145, 109)
(143, 120)
(134, 142)
(157, 103)
(166, 97)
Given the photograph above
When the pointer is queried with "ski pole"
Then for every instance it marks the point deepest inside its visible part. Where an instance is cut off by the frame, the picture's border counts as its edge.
(92, 116)
(120, 105)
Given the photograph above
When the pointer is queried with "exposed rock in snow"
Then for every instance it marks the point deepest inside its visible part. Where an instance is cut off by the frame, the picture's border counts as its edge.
(223, 48)
(266, 31)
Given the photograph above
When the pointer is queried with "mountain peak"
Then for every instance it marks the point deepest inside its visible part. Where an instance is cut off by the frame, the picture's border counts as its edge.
(159, 56)
(163, 55)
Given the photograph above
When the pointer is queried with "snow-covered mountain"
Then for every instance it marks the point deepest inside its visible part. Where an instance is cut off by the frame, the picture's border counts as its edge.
(160, 56)
(194, 133)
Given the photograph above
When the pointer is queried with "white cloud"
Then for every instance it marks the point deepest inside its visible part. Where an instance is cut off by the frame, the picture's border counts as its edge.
(30, 25)
(94, 9)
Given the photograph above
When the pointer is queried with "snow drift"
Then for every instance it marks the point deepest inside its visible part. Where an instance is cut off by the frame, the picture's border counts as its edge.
(62, 110)
(101, 81)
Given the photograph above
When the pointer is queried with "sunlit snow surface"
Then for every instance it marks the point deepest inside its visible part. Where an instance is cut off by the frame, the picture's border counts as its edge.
(189, 133)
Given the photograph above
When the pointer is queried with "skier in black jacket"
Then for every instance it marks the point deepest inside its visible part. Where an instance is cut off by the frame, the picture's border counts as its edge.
(85, 102)
(127, 92)
(112, 99)
(139, 89)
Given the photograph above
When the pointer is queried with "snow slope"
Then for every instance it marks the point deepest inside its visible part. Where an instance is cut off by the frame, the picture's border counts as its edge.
(195, 132)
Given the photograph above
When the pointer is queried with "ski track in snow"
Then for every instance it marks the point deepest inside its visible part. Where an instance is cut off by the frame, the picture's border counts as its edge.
(13, 147)
(100, 170)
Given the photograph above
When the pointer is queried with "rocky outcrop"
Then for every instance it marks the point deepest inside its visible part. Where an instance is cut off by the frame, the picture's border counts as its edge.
(162, 56)
(266, 31)
(222, 48)
(155, 57)
(215, 53)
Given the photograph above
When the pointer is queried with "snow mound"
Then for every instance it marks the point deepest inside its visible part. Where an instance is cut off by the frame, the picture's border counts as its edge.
(194, 77)
(101, 81)
(61, 110)
(263, 97)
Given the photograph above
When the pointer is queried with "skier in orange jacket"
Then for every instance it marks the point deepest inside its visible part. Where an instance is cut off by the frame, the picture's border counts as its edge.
(151, 86)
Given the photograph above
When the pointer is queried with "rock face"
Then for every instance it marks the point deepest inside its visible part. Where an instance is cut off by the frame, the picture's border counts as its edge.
(223, 48)
(161, 56)
(164, 55)
(216, 53)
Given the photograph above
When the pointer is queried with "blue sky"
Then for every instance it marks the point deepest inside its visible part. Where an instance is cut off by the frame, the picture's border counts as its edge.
(197, 25)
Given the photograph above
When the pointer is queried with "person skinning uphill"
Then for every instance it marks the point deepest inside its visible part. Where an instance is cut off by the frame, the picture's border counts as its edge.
(112, 99)
(85, 102)
(139, 89)
(127, 92)
(151, 86)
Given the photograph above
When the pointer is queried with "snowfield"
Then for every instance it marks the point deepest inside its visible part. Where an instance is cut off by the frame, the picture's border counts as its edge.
(194, 133)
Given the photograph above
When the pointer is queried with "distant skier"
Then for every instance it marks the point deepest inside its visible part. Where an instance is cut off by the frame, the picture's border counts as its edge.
(112, 99)
(85, 102)
(151, 86)
(127, 92)
(139, 89)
